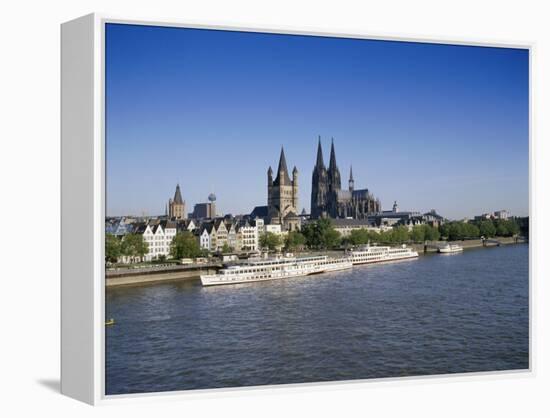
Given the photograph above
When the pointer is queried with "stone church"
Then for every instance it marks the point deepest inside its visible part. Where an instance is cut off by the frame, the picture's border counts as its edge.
(329, 200)
(176, 206)
(282, 196)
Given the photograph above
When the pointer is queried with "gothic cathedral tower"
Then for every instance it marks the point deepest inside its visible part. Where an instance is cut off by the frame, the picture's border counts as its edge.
(334, 180)
(319, 186)
(282, 193)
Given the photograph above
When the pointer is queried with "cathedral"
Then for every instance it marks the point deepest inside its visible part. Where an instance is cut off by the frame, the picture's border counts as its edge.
(282, 196)
(329, 200)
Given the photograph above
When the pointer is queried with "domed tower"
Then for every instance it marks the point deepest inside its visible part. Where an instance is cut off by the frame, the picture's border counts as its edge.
(395, 208)
(212, 201)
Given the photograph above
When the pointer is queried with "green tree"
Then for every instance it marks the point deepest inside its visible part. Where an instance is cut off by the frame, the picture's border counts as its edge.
(457, 231)
(501, 229)
(359, 237)
(471, 230)
(112, 248)
(513, 227)
(385, 237)
(487, 229)
(418, 233)
(399, 234)
(312, 233)
(320, 234)
(134, 246)
(331, 238)
(270, 241)
(444, 230)
(295, 241)
(374, 236)
(184, 245)
(431, 233)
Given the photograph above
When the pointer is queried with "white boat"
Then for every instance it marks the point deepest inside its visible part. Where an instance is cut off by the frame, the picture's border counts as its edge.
(375, 254)
(275, 268)
(449, 248)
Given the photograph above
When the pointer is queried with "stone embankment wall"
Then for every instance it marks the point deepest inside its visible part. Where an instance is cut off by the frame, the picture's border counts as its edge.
(468, 243)
(137, 278)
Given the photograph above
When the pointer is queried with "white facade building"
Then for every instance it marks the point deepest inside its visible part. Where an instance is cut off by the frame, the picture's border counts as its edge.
(273, 228)
(346, 226)
(247, 236)
(502, 214)
(205, 240)
(159, 240)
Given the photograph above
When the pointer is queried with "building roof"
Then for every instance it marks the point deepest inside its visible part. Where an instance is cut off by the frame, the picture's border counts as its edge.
(290, 215)
(177, 196)
(343, 194)
(155, 228)
(282, 170)
(361, 194)
(208, 226)
(229, 223)
(392, 214)
(259, 212)
(434, 214)
(218, 223)
(140, 229)
(350, 222)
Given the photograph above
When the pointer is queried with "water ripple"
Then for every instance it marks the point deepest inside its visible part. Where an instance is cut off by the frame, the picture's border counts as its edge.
(434, 315)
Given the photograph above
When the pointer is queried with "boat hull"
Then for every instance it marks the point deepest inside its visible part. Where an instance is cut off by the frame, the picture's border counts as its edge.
(217, 279)
(389, 260)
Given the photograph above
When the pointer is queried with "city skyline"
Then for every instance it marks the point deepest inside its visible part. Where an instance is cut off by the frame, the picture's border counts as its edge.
(431, 126)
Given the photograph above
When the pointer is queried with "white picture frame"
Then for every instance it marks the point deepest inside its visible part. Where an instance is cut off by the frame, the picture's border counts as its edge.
(83, 208)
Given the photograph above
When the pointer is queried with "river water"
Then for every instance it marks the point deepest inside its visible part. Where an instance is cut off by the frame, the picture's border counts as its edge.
(438, 314)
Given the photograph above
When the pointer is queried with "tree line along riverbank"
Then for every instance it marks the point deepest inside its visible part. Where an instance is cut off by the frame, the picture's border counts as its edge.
(321, 235)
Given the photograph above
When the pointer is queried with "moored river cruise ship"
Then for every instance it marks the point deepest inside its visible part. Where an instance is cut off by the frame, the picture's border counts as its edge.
(450, 249)
(375, 254)
(275, 268)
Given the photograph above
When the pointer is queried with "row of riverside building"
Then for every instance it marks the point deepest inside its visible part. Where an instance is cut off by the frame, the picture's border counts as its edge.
(240, 234)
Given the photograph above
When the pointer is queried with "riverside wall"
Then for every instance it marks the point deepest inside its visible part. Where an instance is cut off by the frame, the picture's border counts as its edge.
(139, 278)
(468, 243)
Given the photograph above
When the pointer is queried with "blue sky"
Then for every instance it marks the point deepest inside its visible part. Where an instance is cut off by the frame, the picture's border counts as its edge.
(431, 126)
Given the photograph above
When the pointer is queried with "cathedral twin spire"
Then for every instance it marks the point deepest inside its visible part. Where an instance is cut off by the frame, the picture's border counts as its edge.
(320, 161)
(332, 165)
(333, 173)
(327, 197)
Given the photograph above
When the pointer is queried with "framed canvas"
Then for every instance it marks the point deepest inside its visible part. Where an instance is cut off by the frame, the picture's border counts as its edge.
(257, 207)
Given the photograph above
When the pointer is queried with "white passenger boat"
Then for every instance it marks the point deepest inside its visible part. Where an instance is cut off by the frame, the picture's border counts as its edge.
(376, 254)
(450, 248)
(275, 268)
